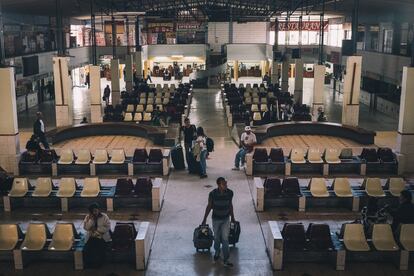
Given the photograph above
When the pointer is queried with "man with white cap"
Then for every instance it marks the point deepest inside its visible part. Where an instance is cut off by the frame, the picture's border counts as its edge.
(247, 141)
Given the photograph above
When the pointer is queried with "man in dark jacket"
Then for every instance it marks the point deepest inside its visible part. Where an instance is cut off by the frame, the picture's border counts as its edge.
(107, 94)
(39, 130)
(405, 212)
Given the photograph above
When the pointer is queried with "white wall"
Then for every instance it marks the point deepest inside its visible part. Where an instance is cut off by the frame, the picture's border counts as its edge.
(247, 52)
(252, 32)
(218, 35)
(189, 50)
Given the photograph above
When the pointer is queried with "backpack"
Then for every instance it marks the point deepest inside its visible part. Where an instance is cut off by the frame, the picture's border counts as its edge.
(209, 144)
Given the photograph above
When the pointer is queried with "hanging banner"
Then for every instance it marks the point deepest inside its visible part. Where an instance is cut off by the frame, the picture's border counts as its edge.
(181, 26)
(160, 27)
(294, 26)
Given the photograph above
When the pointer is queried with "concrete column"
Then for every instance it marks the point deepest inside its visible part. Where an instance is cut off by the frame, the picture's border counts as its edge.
(9, 130)
(129, 84)
(298, 94)
(405, 135)
(116, 88)
(236, 70)
(285, 74)
(63, 91)
(96, 98)
(138, 63)
(352, 88)
(275, 72)
(318, 89)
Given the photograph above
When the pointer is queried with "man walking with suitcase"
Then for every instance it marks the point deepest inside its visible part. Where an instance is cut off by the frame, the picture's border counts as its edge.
(220, 200)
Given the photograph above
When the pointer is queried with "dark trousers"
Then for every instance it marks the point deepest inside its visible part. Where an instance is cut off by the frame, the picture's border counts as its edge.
(94, 252)
(43, 140)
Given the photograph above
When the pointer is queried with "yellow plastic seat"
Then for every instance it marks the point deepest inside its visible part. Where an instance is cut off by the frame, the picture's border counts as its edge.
(66, 157)
(140, 108)
(165, 86)
(373, 187)
(167, 95)
(318, 187)
(20, 187)
(149, 108)
(159, 86)
(84, 157)
(100, 156)
(138, 117)
(248, 86)
(43, 187)
(91, 187)
(128, 117)
(248, 100)
(342, 187)
(152, 85)
(142, 100)
(147, 117)
(67, 187)
(160, 107)
(396, 185)
(130, 108)
(158, 95)
(263, 107)
(158, 101)
(332, 156)
(383, 239)
(151, 95)
(407, 236)
(9, 236)
(118, 156)
(263, 100)
(255, 99)
(354, 238)
(314, 156)
(172, 86)
(35, 238)
(257, 116)
(63, 237)
(166, 100)
(297, 156)
(150, 101)
(254, 108)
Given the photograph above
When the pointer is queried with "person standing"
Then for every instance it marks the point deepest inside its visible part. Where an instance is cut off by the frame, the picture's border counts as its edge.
(189, 131)
(247, 142)
(201, 144)
(39, 130)
(107, 94)
(149, 75)
(220, 201)
(97, 226)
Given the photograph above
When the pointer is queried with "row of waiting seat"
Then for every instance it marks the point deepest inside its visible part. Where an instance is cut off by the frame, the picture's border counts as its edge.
(274, 192)
(103, 163)
(68, 188)
(326, 162)
(38, 241)
(318, 244)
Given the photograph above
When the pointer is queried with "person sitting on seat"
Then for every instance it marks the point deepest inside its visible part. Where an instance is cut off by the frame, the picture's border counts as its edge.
(247, 142)
(97, 226)
(266, 78)
(33, 148)
(84, 121)
(405, 212)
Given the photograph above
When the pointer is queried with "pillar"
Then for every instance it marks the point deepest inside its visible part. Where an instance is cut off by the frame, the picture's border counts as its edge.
(405, 135)
(285, 73)
(138, 64)
(116, 88)
(352, 88)
(318, 89)
(9, 130)
(263, 67)
(129, 84)
(63, 91)
(96, 97)
(298, 94)
(236, 70)
(275, 72)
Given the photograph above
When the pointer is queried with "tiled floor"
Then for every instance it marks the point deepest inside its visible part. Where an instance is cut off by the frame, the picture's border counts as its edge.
(185, 200)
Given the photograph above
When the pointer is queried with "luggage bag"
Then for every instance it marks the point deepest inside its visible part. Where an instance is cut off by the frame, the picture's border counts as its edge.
(234, 233)
(177, 157)
(203, 237)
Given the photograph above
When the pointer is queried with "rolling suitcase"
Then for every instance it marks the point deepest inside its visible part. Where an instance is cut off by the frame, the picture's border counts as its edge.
(177, 157)
(234, 233)
(194, 167)
(203, 237)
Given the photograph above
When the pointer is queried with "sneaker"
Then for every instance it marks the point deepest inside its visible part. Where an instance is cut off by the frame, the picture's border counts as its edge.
(228, 264)
(235, 169)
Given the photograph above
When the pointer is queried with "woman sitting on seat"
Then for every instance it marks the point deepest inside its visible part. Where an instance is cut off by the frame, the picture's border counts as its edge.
(97, 225)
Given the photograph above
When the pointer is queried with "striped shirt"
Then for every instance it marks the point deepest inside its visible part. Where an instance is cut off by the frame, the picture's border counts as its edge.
(221, 203)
